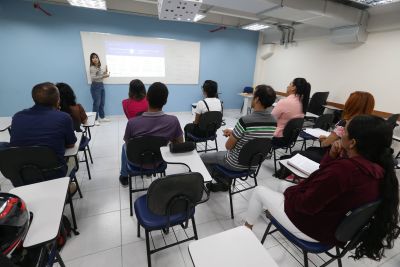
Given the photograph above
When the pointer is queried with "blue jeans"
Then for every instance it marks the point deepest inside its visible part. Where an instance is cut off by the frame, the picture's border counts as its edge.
(124, 162)
(98, 95)
(4, 145)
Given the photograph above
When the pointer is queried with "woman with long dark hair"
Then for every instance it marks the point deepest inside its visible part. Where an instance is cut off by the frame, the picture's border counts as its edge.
(357, 170)
(97, 74)
(137, 103)
(69, 105)
(293, 106)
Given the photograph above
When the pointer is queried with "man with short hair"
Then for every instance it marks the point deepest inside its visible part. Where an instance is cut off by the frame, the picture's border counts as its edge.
(43, 124)
(259, 124)
(154, 122)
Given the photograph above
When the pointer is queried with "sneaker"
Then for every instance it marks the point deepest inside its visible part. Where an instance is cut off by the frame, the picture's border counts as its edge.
(123, 180)
(96, 123)
(104, 119)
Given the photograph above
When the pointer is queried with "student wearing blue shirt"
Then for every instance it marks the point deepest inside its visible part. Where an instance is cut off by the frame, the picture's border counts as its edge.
(43, 124)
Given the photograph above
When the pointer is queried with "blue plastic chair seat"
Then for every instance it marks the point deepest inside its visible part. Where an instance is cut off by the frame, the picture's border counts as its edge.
(151, 221)
(201, 139)
(313, 247)
(230, 173)
(136, 171)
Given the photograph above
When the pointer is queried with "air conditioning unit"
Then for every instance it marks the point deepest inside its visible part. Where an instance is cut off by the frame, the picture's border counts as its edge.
(349, 35)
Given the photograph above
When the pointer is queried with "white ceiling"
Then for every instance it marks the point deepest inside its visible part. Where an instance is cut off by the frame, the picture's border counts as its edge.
(310, 14)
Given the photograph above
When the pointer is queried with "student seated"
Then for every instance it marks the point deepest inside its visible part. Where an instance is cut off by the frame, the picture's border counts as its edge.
(209, 103)
(68, 104)
(137, 103)
(258, 124)
(43, 124)
(293, 106)
(358, 103)
(154, 122)
(357, 170)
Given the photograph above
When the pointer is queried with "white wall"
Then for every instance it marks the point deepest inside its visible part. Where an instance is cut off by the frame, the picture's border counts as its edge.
(373, 66)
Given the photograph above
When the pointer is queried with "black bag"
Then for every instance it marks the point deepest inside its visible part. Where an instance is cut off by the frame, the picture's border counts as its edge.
(182, 147)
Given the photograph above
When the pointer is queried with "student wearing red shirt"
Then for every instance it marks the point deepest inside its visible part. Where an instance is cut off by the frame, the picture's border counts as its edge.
(357, 170)
(137, 103)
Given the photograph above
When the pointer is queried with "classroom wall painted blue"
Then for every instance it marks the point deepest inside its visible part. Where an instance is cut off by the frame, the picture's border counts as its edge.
(36, 48)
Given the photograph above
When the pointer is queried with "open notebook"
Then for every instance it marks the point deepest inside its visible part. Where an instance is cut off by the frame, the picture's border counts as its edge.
(303, 164)
(316, 132)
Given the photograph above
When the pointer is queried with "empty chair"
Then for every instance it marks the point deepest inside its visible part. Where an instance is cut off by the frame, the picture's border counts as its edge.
(323, 122)
(392, 120)
(169, 201)
(317, 101)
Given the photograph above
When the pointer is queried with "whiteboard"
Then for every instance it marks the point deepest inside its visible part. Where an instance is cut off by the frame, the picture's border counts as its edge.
(148, 59)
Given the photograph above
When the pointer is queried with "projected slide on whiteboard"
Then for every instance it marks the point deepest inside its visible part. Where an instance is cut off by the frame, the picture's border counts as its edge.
(149, 59)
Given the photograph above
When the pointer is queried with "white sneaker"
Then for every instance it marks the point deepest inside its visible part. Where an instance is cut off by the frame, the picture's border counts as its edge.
(104, 119)
(96, 123)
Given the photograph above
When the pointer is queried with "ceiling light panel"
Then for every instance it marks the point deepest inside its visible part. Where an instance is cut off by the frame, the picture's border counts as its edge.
(181, 10)
(256, 26)
(96, 4)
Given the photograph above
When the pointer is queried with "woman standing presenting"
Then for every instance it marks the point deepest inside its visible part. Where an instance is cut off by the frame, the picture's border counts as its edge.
(97, 88)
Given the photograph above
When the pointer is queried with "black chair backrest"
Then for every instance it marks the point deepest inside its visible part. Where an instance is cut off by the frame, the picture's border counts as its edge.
(317, 100)
(392, 120)
(324, 121)
(292, 130)
(254, 152)
(173, 193)
(29, 165)
(355, 221)
(145, 150)
(210, 121)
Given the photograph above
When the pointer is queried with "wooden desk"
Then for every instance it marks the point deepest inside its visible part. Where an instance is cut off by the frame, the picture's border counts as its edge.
(311, 115)
(5, 123)
(90, 122)
(237, 247)
(316, 132)
(192, 159)
(333, 108)
(246, 103)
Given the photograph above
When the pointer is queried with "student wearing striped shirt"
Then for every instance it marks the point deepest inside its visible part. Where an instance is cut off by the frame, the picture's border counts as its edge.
(259, 124)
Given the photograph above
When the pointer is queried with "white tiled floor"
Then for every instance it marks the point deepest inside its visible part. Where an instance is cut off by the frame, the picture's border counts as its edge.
(108, 234)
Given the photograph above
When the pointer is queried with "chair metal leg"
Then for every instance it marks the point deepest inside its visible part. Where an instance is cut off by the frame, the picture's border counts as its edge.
(305, 258)
(71, 205)
(339, 259)
(194, 229)
(266, 233)
(148, 248)
(90, 154)
(205, 150)
(130, 194)
(275, 174)
(230, 201)
(78, 187)
(138, 229)
(59, 259)
(216, 144)
(87, 165)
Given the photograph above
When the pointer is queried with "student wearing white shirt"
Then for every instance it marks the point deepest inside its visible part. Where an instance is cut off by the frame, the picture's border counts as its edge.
(209, 103)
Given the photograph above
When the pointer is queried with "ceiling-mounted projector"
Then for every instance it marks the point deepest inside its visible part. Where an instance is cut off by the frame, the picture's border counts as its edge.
(181, 10)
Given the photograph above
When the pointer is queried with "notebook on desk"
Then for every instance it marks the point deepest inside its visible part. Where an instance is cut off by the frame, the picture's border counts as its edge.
(316, 132)
(303, 164)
